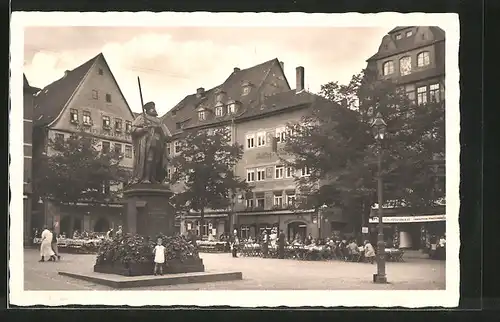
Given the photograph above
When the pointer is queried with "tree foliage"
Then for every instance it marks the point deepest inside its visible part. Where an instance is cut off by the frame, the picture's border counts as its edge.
(74, 170)
(204, 168)
(335, 141)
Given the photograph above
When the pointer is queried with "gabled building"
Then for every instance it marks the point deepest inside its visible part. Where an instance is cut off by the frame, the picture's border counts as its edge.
(87, 97)
(28, 92)
(256, 104)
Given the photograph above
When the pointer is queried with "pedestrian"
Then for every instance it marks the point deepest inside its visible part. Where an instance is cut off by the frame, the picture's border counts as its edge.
(281, 245)
(54, 244)
(46, 247)
(234, 246)
(308, 240)
(265, 244)
(109, 234)
(369, 252)
(119, 232)
(159, 252)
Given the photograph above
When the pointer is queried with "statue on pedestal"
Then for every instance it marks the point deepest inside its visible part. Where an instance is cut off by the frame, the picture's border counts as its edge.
(149, 136)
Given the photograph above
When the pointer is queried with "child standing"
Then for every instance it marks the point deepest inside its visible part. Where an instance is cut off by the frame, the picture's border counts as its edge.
(159, 253)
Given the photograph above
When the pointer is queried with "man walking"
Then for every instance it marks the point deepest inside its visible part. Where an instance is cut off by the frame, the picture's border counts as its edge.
(281, 245)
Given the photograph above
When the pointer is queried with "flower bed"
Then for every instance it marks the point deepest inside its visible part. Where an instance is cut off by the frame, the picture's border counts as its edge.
(211, 246)
(81, 246)
(132, 255)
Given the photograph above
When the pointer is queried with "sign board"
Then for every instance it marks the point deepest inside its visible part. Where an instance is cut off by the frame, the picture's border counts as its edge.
(364, 230)
(408, 219)
(189, 226)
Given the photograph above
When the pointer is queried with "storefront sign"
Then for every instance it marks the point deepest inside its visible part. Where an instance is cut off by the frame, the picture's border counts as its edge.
(364, 230)
(409, 219)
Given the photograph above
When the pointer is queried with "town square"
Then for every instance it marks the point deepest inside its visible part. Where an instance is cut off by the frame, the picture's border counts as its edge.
(219, 158)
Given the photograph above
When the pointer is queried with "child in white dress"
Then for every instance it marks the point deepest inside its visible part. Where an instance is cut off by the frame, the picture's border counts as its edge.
(159, 253)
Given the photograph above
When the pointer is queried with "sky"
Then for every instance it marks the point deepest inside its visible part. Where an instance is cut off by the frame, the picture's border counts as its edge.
(173, 62)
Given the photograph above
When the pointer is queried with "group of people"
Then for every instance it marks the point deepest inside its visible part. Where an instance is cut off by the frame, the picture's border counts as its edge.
(48, 246)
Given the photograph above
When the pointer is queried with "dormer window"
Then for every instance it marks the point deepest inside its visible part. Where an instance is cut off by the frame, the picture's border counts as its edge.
(247, 87)
(202, 115)
(118, 125)
(106, 122)
(409, 33)
(219, 110)
(220, 96)
(74, 116)
(399, 36)
(231, 108)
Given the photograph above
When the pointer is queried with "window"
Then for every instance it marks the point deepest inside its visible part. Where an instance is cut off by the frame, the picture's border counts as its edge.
(280, 135)
(95, 94)
(74, 115)
(249, 203)
(86, 118)
(178, 125)
(422, 95)
(261, 139)
(278, 201)
(118, 148)
(388, 68)
(405, 65)
(202, 116)
(59, 137)
(246, 90)
(128, 151)
(105, 147)
(289, 172)
(290, 200)
(399, 36)
(434, 93)
(169, 149)
(250, 175)
(128, 126)
(250, 141)
(261, 174)
(260, 202)
(409, 33)
(423, 59)
(106, 123)
(305, 172)
(410, 92)
(100, 71)
(231, 108)
(108, 98)
(118, 125)
(278, 172)
(169, 173)
(177, 147)
(219, 110)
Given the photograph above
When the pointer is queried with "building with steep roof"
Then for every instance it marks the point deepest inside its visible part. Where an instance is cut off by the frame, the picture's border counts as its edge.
(414, 58)
(28, 92)
(89, 98)
(256, 104)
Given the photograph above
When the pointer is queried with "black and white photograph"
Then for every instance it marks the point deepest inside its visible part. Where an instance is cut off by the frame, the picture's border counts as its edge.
(241, 159)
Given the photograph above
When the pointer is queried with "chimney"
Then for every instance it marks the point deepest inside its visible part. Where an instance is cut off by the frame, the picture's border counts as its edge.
(66, 72)
(300, 79)
(199, 92)
(236, 69)
(282, 65)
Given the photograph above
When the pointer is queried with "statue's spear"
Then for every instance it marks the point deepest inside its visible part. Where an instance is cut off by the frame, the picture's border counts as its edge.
(140, 94)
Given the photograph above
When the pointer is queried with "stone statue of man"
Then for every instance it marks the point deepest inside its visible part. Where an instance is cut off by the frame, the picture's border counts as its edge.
(149, 136)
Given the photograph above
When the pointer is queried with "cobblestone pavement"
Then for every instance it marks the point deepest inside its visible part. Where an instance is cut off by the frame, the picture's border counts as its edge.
(258, 274)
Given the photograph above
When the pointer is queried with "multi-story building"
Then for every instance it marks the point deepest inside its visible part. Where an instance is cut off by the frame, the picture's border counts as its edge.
(414, 58)
(86, 97)
(28, 92)
(256, 104)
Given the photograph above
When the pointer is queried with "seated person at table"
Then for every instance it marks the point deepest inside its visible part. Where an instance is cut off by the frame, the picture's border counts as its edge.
(369, 252)
(353, 248)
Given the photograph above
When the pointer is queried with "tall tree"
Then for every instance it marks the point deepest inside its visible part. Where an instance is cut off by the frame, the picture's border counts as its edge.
(75, 170)
(335, 141)
(204, 168)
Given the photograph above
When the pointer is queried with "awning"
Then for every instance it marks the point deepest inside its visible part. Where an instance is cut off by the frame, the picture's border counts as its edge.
(408, 219)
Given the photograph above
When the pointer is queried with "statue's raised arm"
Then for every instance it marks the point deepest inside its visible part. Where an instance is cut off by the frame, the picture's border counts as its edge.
(149, 137)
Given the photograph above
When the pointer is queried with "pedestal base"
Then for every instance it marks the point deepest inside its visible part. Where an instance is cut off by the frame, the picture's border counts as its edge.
(379, 279)
(140, 269)
(148, 210)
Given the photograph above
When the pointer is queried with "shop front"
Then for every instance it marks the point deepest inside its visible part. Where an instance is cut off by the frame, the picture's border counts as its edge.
(411, 232)
(212, 225)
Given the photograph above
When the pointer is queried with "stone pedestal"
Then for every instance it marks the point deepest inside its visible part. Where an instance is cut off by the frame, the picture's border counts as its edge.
(148, 211)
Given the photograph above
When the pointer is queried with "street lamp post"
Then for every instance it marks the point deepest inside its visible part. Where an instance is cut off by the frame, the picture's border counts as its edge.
(379, 127)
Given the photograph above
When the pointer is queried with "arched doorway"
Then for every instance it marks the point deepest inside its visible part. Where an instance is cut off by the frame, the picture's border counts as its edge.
(297, 227)
(65, 226)
(102, 225)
